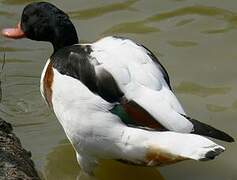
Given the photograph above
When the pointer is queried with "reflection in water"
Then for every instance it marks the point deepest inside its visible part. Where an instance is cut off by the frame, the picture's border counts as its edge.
(102, 10)
(118, 171)
(198, 90)
(61, 164)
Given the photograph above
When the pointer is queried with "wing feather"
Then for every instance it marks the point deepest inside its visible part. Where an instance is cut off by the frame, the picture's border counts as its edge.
(130, 77)
(144, 81)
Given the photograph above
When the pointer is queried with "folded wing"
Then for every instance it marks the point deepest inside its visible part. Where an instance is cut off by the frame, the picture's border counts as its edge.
(129, 76)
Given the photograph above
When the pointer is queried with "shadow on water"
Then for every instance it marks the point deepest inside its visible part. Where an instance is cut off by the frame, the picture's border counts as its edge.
(199, 90)
(221, 14)
(61, 164)
(102, 10)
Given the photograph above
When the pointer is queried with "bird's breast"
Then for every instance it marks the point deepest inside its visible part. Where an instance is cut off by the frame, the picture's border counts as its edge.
(47, 82)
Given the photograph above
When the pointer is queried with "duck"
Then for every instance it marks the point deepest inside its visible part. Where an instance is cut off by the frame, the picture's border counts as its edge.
(113, 97)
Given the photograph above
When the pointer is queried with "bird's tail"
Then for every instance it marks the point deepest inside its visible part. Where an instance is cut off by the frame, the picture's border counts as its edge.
(163, 148)
(184, 146)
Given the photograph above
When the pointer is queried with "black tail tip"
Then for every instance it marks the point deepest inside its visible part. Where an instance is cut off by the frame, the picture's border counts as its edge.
(213, 154)
(210, 155)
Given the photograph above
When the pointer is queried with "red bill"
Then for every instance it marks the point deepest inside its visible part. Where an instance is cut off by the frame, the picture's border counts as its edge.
(15, 33)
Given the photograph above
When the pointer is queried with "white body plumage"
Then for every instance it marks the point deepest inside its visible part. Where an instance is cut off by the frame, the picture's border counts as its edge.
(113, 98)
(96, 133)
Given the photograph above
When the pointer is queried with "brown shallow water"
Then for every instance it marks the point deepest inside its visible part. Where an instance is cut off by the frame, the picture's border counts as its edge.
(195, 40)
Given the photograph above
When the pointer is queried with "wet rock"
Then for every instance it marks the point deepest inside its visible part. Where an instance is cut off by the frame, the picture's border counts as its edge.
(15, 162)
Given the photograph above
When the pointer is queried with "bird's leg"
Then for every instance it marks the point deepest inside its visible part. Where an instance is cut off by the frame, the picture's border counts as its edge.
(87, 163)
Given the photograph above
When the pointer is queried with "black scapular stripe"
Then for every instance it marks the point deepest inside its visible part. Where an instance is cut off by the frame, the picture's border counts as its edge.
(74, 61)
(206, 130)
(159, 65)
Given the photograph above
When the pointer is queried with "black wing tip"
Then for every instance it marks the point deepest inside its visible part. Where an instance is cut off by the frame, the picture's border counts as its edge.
(230, 139)
(223, 136)
(207, 130)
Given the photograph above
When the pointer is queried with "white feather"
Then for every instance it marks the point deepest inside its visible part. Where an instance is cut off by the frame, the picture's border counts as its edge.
(141, 80)
(97, 134)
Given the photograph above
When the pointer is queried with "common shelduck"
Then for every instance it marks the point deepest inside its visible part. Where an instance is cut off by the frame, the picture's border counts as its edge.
(113, 97)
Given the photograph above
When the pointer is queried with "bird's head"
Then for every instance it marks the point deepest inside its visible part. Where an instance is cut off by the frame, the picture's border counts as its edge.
(42, 21)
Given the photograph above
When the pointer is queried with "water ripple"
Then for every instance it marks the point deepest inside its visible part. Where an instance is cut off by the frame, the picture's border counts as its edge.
(11, 60)
(200, 90)
(12, 49)
(216, 31)
(131, 27)
(7, 14)
(102, 10)
(17, 2)
(183, 43)
(221, 14)
(216, 108)
(192, 10)
(184, 22)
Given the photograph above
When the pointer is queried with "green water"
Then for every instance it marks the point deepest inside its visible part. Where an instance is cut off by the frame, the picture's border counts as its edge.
(195, 40)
